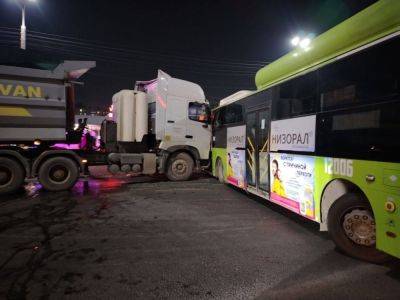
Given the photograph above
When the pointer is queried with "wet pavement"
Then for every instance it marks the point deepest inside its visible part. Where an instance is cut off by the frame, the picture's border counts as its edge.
(146, 238)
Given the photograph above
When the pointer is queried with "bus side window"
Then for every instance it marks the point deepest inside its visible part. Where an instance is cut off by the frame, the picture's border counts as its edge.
(305, 94)
(369, 76)
(219, 117)
(233, 114)
(283, 101)
(215, 119)
(230, 114)
(297, 96)
(347, 126)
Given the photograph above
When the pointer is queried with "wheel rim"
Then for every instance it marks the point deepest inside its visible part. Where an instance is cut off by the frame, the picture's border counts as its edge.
(359, 227)
(179, 167)
(6, 176)
(59, 174)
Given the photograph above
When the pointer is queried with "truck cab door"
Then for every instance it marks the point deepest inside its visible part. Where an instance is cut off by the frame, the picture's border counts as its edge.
(175, 121)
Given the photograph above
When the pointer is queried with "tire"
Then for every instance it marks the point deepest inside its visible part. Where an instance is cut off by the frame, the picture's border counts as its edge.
(12, 175)
(344, 217)
(220, 171)
(180, 167)
(58, 174)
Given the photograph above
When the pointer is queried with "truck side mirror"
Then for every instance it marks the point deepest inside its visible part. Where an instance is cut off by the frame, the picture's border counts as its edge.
(203, 118)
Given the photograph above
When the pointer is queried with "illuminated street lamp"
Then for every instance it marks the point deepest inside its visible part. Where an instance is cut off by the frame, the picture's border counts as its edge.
(23, 27)
(295, 41)
(303, 43)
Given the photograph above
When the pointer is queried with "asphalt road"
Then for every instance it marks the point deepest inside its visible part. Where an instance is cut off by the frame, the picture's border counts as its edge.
(122, 239)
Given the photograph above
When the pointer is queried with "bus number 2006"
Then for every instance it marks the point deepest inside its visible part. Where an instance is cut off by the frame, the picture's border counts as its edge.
(338, 166)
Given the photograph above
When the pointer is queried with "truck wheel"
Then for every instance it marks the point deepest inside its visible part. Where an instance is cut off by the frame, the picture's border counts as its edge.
(351, 225)
(180, 167)
(219, 168)
(58, 174)
(12, 175)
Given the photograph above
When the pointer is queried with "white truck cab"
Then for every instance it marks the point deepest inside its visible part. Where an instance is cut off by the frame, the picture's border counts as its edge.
(178, 118)
(181, 113)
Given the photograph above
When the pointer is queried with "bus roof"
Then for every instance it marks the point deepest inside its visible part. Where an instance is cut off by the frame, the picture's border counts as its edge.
(235, 97)
(377, 21)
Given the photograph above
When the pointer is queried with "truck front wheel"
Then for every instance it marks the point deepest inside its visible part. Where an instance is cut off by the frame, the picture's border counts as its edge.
(180, 167)
(351, 225)
(58, 174)
(12, 175)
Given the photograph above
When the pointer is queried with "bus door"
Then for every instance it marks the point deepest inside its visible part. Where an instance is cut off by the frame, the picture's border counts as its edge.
(257, 147)
(263, 149)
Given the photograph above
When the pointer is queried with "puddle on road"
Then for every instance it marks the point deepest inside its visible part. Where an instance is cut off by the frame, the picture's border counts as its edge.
(96, 186)
(88, 186)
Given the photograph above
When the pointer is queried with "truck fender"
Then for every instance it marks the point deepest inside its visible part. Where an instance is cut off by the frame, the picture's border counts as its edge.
(21, 159)
(166, 154)
(52, 153)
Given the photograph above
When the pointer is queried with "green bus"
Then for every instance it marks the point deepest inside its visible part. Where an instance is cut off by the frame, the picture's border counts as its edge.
(321, 134)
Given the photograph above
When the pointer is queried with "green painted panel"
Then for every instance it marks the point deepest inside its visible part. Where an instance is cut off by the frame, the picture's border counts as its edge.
(391, 177)
(377, 192)
(376, 21)
(218, 153)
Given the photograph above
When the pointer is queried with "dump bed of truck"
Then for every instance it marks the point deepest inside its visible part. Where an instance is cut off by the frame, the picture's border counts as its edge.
(34, 103)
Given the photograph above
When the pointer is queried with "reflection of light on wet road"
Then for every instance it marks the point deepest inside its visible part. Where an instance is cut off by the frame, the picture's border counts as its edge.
(82, 187)
(100, 181)
(96, 186)
(92, 186)
(32, 189)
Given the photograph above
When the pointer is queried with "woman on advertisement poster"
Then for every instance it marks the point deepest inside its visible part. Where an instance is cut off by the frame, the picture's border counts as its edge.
(277, 186)
(230, 168)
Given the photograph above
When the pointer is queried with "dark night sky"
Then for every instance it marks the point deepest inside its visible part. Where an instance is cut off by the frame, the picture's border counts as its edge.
(219, 44)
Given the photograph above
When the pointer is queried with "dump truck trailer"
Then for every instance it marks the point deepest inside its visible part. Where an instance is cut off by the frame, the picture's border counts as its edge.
(158, 126)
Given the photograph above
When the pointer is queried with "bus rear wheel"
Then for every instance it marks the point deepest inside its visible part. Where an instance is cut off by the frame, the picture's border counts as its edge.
(12, 175)
(351, 225)
(58, 174)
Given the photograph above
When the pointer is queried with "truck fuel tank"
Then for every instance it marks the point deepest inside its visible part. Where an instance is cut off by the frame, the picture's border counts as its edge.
(130, 112)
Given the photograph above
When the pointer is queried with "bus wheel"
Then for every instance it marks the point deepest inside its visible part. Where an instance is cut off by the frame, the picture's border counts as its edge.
(351, 225)
(220, 171)
(58, 174)
(12, 175)
(180, 167)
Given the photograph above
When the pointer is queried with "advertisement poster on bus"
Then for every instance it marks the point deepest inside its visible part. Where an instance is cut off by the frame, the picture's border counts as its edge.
(296, 134)
(236, 155)
(292, 182)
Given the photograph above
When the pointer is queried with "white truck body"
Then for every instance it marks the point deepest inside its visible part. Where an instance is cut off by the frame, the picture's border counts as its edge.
(160, 126)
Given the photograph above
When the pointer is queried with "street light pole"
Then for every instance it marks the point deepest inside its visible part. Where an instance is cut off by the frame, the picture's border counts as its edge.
(23, 28)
